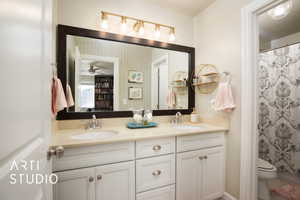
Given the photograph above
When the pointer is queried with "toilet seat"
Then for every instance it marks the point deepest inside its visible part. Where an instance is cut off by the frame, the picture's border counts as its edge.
(265, 166)
(266, 170)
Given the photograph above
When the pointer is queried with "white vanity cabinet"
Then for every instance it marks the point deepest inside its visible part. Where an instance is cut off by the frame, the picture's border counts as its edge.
(108, 182)
(188, 167)
(200, 173)
(115, 182)
(75, 185)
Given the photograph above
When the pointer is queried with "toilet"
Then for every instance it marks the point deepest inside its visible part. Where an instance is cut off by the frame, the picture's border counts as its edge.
(266, 171)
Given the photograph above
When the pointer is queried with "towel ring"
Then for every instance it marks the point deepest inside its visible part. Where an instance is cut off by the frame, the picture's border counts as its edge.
(226, 77)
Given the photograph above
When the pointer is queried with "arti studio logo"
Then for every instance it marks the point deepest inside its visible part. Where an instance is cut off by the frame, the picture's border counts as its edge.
(24, 173)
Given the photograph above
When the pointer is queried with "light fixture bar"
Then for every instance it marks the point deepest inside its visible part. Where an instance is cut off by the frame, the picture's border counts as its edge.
(135, 19)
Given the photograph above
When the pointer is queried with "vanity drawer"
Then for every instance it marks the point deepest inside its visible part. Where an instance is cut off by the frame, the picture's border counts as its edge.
(165, 193)
(155, 172)
(148, 148)
(80, 157)
(194, 142)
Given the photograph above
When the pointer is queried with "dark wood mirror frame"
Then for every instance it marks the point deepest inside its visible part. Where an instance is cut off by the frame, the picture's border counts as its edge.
(63, 31)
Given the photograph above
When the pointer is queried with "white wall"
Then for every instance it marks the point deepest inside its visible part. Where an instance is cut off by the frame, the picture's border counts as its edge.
(86, 14)
(217, 36)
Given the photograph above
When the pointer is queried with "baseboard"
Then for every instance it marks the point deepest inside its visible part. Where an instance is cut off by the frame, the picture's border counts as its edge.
(227, 196)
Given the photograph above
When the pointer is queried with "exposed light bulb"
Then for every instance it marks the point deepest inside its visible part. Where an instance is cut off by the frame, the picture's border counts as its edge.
(281, 11)
(141, 28)
(123, 24)
(172, 35)
(104, 22)
(157, 31)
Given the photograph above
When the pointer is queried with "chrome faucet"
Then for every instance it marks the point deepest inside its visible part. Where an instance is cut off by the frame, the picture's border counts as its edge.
(177, 119)
(93, 123)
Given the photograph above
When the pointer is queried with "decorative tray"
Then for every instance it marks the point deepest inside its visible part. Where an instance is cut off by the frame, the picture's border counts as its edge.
(133, 125)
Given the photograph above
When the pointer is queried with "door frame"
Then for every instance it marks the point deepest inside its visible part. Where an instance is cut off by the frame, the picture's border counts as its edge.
(249, 110)
(161, 59)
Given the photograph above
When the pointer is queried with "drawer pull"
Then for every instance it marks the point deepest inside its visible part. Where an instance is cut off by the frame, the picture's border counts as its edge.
(156, 148)
(156, 173)
(99, 177)
(91, 179)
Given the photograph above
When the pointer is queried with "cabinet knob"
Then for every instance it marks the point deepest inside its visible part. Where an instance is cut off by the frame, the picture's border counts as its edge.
(156, 173)
(201, 157)
(205, 157)
(59, 151)
(99, 177)
(156, 148)
(91, 179)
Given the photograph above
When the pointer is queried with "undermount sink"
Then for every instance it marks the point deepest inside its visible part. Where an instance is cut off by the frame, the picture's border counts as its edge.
(189, 127)
(103, 134)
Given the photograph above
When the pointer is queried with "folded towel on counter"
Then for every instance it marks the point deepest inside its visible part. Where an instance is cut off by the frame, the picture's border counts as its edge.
(171, 99)
(59, 101)
(224, 99)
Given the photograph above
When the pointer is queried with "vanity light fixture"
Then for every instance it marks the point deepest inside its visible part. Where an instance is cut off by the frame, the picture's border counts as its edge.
(281, 11)
(139, 25)
(104, 21)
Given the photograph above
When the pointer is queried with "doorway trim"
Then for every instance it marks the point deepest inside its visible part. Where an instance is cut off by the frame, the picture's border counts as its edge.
(249, 139)
(161, 59)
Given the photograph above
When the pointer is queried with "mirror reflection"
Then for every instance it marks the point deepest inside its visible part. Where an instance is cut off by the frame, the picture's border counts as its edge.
(113, 76)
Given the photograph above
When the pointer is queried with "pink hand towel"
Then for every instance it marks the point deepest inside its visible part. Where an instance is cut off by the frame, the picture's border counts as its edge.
(224, 100)
(58, 97)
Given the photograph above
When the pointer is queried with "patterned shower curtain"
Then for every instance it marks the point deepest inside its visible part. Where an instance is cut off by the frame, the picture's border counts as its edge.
(279, 108)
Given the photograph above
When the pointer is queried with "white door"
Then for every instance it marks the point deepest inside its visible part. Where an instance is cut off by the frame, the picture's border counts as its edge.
(189, 176)
(115, 182)
(75, 185)
(213, 173)
(25, 57)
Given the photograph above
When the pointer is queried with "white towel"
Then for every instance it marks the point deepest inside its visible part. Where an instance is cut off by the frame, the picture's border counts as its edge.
(69, 96)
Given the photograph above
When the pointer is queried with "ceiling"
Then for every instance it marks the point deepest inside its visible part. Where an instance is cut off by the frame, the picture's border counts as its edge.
(273, 29)
(187, 7)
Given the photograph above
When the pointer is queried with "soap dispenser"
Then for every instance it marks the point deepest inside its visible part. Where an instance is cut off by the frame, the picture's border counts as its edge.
(194, 116)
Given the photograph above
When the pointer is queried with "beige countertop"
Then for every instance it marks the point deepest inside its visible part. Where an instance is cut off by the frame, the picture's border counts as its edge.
(64, 137)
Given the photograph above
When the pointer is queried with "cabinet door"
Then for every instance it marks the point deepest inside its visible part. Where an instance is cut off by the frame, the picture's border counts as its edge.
(189, 176)
(115, 182)
(75, 185)
(213, 173)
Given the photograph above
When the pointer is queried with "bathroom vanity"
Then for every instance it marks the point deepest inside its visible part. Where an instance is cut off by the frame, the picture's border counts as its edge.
(184, 162)
(163, 163)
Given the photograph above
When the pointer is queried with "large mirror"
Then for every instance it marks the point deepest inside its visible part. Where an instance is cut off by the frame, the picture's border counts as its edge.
(110, 75)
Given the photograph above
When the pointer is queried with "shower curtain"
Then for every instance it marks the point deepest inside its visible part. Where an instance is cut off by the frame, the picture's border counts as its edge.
(279, 108)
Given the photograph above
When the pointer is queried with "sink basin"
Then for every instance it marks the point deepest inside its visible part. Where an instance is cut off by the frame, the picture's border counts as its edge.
(94, 135)
(189, 127)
